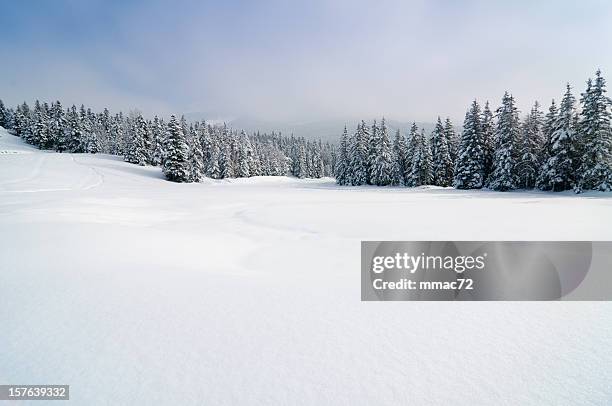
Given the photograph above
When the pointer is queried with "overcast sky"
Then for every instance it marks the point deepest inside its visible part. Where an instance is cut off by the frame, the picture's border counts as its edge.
(313, 59)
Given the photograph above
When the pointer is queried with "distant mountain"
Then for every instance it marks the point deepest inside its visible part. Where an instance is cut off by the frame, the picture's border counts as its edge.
(326, 130)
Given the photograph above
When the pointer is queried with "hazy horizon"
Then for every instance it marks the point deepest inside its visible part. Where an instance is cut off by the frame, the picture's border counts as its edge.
(301, 61)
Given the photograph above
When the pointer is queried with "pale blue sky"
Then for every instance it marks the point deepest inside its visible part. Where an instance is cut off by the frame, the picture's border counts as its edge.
(408, 60)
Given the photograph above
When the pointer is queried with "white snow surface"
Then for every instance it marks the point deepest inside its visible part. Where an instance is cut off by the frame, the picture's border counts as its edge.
(136, 290)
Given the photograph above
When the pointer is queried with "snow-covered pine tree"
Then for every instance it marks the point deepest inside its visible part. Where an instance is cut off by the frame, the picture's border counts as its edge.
(503, 177)
(342, 164)
(382, 164)
(469, 169)
(226, 165)
(358, 156)
(157, 142)
(75, 135)
(138, 148)
(4, 122)
(400, 154)
(242, 158)
(373, 151)
(547, 130)
(176, 165)
(442, 165)
(40, 131)
(196, 160)
(452, 139)
(488, 142)
(595, 140)
(413, 139)
(58, 128)
(558, 171)
(420, 169)
(529, 148)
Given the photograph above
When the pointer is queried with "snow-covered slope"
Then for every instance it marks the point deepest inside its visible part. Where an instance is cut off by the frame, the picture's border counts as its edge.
(135, 290)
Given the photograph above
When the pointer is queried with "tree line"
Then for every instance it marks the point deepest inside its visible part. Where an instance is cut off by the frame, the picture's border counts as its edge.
(568, 148)
(186, 152)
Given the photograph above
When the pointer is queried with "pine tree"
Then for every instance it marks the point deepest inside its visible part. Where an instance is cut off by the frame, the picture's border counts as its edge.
(558, 171)
(358, 156)
(469, 171)
(4, 122)
(41, 129)
(488, 144)
(342, 165)
(452, 139)
(382, 164)
(157, 142)
(421, 167)
(442, 165)
(75, 135)
(530, 144)
(242, 161)
(413, 139)
(138, 150)
(176, 166)
(400, 155)
(373, 151)
(547, 130)
(196, 160)
(507, 132)
(595, 172)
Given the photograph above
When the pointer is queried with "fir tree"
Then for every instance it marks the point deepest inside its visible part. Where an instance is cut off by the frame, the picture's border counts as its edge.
(469, 171)
(507, 131)
(420, 169)
(176, 166)
(442, 165)
(358, 156)
(138, 150)
(196, 160)
(488, 144)
(382, 164)
(75, 135)
(413, 139)
(342, 165)
(595, 171)
(4, 122)
(558, 171)
(530, 144)
(400, 154)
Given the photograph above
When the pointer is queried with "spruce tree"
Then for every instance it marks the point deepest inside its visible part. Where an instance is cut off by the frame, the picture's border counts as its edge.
(442, 165)
(196, 160)
(421, 167)
(529, 146)
(488, 143)
(558, 171)
(400, 154)
(507, 132)
(242, 158)
(4, 122)
(382, 164)
(75, 135)
(342, 168)
(358, 156)
(469, 171)
(413, 139)
(138, 149)
(176, 166)
(595, 171)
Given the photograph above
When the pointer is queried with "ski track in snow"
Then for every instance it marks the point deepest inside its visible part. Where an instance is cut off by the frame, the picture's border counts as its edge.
(135, 290)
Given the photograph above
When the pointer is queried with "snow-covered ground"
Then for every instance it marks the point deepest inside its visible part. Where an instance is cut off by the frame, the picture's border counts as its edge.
(135, 290)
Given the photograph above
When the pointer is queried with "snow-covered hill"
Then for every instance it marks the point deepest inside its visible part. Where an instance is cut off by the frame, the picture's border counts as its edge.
(135, 290)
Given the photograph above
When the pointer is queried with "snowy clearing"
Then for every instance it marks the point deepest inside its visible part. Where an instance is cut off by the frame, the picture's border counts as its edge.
(135, 290)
